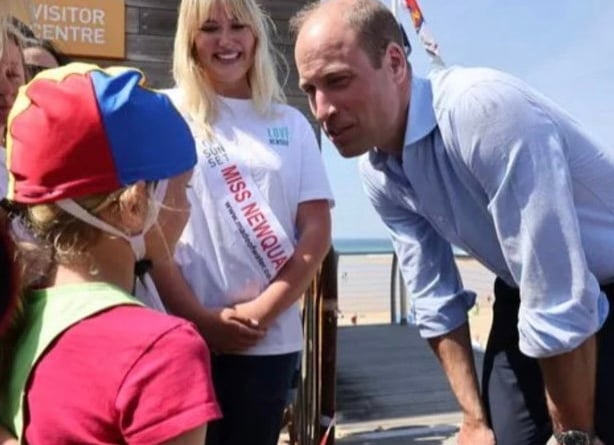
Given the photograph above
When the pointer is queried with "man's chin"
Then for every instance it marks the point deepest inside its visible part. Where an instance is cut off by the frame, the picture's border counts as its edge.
(351, 151)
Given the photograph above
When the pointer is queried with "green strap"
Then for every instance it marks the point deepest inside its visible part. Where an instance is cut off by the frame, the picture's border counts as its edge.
(49, 313)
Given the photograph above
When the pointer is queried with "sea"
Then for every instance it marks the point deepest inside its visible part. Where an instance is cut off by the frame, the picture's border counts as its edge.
(362, 246)
(365, 281)
(373, 246)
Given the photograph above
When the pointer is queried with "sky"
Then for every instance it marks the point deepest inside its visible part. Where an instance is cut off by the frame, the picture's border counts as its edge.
(563, 48)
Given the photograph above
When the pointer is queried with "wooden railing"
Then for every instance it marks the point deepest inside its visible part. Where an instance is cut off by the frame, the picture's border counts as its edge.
(315, 407)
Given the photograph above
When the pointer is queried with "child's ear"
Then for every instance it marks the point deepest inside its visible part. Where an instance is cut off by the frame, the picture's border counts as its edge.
(133, 205)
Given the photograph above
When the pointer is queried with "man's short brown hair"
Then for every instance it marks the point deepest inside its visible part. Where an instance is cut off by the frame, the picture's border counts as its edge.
(374, 24)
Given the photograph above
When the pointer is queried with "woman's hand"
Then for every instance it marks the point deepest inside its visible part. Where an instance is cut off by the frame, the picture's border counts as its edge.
(228, 331)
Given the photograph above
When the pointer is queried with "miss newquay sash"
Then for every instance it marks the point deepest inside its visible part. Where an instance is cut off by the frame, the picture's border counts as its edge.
(242, 205)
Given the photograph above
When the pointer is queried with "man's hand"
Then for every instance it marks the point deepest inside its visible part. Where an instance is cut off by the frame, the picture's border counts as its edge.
(454, 352)
(475, 433)
(228, 332)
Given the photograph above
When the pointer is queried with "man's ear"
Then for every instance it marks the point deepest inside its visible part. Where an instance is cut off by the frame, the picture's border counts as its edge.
(133, 205)
(397, 62)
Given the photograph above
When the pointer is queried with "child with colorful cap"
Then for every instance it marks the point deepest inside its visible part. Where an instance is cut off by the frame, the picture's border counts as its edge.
(91, 154)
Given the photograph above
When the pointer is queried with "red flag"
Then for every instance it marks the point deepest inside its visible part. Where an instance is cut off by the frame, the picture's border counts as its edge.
(416, 14)
(430, 45)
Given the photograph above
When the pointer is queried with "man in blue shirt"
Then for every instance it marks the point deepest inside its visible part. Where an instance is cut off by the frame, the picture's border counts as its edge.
(476, 158)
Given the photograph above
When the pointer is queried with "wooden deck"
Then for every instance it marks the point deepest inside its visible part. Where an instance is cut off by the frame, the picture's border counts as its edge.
(386, 372)
(390, 387)
(389, 380)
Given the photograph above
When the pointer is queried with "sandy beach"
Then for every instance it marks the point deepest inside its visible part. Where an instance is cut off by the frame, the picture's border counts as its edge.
(364, 292)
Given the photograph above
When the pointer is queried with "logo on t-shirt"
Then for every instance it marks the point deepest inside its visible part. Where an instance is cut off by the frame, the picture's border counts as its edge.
(278, 136)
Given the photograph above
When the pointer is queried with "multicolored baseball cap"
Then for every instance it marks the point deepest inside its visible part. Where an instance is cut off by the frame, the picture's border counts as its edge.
(79, 130)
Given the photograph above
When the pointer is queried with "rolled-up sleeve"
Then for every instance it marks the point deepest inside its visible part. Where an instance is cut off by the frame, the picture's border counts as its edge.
(515, 150)
(439, 302)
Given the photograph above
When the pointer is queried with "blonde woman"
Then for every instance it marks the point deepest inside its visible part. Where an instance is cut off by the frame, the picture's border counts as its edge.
(260, 220)
(89, 162)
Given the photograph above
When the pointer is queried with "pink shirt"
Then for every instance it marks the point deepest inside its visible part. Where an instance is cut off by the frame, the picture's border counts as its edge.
(126, 375)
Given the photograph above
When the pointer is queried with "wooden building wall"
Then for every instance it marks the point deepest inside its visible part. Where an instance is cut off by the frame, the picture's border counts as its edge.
(150, 27)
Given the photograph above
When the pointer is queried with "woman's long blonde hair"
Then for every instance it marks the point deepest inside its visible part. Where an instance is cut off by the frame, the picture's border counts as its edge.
(198, 96)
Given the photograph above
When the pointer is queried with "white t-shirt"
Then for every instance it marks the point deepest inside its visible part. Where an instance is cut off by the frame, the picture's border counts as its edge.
(4, 175)
(281, 154)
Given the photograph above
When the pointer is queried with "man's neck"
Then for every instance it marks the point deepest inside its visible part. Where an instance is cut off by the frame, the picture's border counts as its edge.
(398, 127)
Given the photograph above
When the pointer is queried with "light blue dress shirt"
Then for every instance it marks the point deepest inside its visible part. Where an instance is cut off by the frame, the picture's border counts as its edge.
(499, 170)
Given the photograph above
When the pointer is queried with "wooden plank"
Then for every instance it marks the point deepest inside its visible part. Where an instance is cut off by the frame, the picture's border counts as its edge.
(146, 48)
(158, 74)
(291, 87)
(281, 32)
(282, 9)
(158, 22)
(388, 371)
(298, 101)
(158, 4)
(132, 20)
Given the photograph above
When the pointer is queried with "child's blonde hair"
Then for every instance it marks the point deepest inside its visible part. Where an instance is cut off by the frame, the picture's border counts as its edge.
(59, 238)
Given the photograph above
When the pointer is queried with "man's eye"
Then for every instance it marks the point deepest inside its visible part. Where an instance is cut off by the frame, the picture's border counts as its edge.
(307, 89)
(338, 81)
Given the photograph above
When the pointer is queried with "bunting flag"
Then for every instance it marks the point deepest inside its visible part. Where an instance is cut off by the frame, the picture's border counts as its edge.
(427, 39)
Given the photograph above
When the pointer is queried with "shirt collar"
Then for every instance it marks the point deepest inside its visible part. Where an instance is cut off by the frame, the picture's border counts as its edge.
(420, 120)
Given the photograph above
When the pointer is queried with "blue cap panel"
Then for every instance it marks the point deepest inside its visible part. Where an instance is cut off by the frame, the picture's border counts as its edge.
(148, 137)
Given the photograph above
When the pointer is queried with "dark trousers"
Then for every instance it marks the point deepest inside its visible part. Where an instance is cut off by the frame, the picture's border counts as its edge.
(252, 392)
(512, 384)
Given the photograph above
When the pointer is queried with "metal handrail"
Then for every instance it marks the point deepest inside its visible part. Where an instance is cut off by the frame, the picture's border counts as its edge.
(396, 282)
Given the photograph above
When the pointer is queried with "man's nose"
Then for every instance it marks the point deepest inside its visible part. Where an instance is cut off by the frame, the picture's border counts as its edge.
(324, 107)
